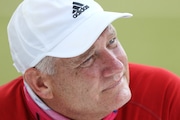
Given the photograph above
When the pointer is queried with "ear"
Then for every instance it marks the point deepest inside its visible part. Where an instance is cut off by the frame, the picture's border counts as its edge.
(40, 83)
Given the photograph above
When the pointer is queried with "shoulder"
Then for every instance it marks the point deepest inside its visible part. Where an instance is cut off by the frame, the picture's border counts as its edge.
(155, 94)
(12, 100)
(11, 89)
(153, 82)
(151, 75)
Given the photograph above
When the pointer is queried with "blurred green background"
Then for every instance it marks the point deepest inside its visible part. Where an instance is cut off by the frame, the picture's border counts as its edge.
(151, 36)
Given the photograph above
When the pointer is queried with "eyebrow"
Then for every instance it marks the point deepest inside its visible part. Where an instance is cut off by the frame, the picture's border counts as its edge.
(76, 61)
(111, 30)
(89, 52)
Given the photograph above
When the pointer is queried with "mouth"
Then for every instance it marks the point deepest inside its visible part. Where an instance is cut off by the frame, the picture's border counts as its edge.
(118, 79)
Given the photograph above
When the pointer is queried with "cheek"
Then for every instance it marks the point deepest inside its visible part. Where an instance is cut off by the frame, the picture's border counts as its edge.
(91, 81)
(90, 77)
(88, 83)
(83, 83)
(120, 53)
(127, 73)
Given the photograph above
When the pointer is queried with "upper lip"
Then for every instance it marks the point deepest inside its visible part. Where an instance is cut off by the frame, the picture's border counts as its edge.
(115, 83)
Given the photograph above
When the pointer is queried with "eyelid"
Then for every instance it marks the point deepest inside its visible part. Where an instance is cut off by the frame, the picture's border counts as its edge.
(112, 43)
(88, 58)
(113, 39)
(88, 61)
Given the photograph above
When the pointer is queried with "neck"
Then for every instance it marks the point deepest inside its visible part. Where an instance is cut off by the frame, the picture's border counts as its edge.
(80, 115)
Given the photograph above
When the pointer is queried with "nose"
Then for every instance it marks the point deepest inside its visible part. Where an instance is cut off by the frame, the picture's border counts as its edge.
(112, 64)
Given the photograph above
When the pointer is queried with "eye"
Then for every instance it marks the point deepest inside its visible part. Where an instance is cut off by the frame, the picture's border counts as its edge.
(112, 43)
(88, 62)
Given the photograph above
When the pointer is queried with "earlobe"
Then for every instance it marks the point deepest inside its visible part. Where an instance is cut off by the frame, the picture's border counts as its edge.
(38, 83)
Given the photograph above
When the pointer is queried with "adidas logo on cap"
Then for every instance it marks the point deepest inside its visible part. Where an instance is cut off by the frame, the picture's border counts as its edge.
(78, 8)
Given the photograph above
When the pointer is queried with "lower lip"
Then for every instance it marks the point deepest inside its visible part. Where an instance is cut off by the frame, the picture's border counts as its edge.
(113, 86)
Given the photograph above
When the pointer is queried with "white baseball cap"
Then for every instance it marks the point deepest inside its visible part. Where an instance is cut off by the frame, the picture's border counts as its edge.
(58, 28)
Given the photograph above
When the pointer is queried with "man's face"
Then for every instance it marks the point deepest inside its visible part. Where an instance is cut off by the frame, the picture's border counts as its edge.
(94, 83)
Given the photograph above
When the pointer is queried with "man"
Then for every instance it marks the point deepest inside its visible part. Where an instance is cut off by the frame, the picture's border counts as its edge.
(74, 67)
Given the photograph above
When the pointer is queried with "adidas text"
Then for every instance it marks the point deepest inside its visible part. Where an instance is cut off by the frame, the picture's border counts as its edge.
(78, 8)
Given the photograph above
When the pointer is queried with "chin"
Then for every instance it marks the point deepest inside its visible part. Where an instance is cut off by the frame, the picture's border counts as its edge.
(122, 94)
(120, 100)
(123, 98)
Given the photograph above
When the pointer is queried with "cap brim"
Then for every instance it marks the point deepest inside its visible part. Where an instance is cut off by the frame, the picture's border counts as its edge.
(85, 35)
